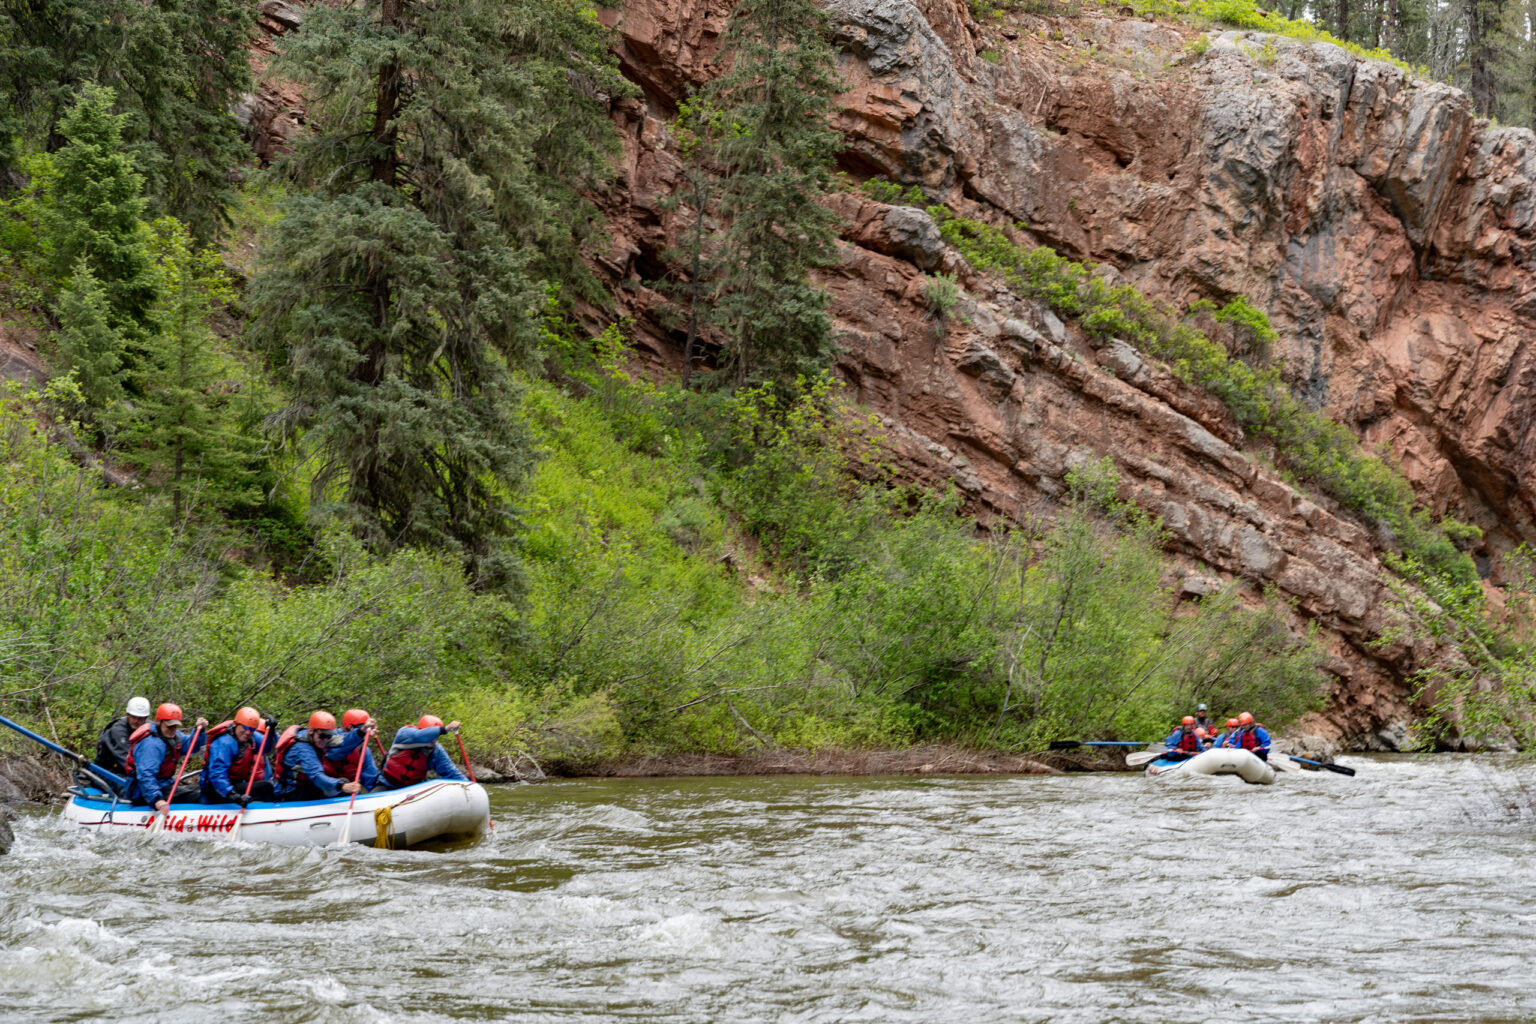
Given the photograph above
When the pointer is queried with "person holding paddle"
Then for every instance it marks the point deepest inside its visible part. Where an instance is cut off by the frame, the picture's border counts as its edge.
(1250, 736)
(349, 747)
(1184, 740)
(415, 752)
(297, 763)
(157, 749)
(236, 764)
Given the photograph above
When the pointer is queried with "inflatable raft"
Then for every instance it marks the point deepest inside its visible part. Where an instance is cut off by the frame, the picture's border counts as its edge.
(1222, 761)
(389, 819)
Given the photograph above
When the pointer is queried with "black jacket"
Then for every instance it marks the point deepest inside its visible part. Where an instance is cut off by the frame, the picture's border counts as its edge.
(112, 745)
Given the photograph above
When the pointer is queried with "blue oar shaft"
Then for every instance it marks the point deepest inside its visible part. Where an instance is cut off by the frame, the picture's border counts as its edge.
(29, 734)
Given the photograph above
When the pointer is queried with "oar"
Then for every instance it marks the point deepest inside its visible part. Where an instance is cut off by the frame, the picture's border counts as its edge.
(1071, 744)
(94, 769)
(346, 829)
(1337, 768)
(191, 748)
(465, 755)
(261, 753)
(1280, 764)
(1141, 757)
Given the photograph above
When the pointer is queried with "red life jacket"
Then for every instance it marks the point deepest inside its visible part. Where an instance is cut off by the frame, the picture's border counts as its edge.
(346, 766)
(407, 766)
(1250, 737)
(167, 765)
(241, 767)
(1188, 742)
(280, 754)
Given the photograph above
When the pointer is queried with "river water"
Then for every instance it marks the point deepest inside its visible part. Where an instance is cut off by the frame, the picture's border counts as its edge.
(1405, 894)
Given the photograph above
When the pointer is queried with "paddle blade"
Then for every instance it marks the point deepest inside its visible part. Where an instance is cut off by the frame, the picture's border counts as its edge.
(1141, 757)
(1339, 769)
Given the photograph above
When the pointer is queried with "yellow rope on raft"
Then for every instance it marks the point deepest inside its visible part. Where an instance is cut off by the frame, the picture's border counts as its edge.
(382, 840)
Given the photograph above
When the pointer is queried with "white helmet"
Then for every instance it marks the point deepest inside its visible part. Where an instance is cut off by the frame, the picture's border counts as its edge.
(138, 707)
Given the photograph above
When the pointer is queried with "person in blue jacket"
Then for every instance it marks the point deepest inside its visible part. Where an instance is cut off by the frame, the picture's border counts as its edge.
(155, 756)
(415, 752)
(1250, 736)
(1184, 740)
(236, 770)
(348, 756)
(298, 764)
(1224, 738)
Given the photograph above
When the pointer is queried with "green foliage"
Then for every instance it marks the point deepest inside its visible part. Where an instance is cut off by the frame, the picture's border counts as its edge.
(1321, 451)
(447, 146)
(94, 220)
(883, 190)
(176, 70)
(185, 429)
(943, 294)
(92, 345)
(775, 160)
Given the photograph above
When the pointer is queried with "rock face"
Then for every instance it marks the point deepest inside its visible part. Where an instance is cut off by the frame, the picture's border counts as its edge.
(7, 838)
(1390, 236)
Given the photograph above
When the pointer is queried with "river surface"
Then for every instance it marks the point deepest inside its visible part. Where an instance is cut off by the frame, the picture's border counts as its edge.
(1405, 894)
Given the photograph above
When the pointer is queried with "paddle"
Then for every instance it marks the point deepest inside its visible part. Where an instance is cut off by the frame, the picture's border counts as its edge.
(346, 829)
(159, 825)
(1070, 744)
(1279, 764)
(1336, 768)
(1141, 757)
(96, 770)
(261, 753)
(465, 755)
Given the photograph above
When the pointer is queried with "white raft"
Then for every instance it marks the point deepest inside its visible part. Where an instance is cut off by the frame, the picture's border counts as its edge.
(391, 818)
(1221, 761)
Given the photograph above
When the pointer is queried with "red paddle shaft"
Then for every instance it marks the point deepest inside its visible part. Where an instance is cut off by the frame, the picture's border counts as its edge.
(258, 767)
(465, 755)
(191, 748)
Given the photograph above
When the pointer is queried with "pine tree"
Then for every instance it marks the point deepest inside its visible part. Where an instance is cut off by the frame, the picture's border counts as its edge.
(184, 430)
(450, 140)
(177, 68)
(96, 216)
(87, 339)
(777, 162)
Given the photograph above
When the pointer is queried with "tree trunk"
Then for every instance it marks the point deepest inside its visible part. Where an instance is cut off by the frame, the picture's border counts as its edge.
(1342, 16)
(1482, 19)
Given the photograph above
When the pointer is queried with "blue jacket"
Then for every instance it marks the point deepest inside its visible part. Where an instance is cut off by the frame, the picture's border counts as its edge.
(302, 757)
(222, 753)
(148, 755)
(347, 742)
(1172, 742)
(1259, 733)
(440, 765)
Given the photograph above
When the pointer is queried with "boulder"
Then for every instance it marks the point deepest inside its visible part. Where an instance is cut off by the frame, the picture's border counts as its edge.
(7, 837)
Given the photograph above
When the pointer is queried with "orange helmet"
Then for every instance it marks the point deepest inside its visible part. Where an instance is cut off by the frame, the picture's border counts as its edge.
(1231, 723)
(1245, 719)
(429, 722)
(1200, 731)
(168, 712)
(355, 717)
(1189, 719)
(322, 720)
(248, 717)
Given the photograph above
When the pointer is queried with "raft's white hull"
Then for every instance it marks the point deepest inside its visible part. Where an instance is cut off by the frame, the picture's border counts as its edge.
(416, 814)
(1222, 761)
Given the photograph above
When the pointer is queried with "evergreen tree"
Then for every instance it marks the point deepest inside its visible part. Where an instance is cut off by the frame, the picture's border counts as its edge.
(184, 428)
(449, 142)
(777, 161)
(178, 68)
(87, 339)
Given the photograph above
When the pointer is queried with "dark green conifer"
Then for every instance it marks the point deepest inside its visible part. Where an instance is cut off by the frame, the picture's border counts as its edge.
(777, 160)
(177, 67)
(449, 143)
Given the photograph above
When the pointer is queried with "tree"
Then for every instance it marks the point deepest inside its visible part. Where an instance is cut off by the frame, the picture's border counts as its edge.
(177, 69)
(776, 158)
(184, 427)
(449, 142)
(87, 339)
